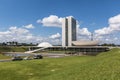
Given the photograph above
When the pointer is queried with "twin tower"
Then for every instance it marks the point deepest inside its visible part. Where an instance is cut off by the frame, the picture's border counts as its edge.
(68, 31)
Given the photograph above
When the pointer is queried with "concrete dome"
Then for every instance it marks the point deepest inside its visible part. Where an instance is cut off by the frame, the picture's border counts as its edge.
(44, 44)
(85, 43)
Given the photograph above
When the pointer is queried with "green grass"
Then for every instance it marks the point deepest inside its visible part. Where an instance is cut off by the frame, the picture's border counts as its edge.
(105, 66)
(13, 49)
(4, 57)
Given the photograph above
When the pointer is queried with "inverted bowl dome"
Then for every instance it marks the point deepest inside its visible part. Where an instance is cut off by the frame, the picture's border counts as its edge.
(85, 43)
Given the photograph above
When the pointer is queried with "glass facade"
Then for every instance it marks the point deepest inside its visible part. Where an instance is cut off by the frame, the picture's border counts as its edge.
(68, 31)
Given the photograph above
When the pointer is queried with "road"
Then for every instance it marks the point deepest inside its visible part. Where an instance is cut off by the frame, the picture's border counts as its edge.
(50, 55)
(32, 54)
(5, 60)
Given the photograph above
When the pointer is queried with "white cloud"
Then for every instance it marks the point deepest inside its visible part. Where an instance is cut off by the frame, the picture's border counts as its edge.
(114, 25)
(84, 32)
(17, 34)
(5, 33)
(55, 36)
(110, 34)
(115, 20)
(51, 21)
(30, 26)
(56, 41)
(23, 35)
(104, 31)
(18, 31)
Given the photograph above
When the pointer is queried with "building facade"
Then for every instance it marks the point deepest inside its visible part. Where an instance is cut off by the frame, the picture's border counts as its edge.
(68, 31)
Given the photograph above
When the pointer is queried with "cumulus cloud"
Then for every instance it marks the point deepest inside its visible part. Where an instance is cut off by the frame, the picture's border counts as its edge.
(114, 25)
(56, 41)
(23, 35)
(110, 34)
(84, 31)
(55, 36)
(17, 34)
(84, 34)
(30, 26)
(17, 31)
(104, 31)
(5, 33)
(51, 21)
(114, 20)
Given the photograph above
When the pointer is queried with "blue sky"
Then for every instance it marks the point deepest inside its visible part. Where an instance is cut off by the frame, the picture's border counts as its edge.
(92, 15)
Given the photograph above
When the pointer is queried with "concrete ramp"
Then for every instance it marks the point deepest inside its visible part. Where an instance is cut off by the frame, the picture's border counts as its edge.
(36, 50)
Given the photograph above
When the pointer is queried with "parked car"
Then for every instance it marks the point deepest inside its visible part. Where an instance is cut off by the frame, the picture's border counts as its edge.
(37, 56)
(16, 58)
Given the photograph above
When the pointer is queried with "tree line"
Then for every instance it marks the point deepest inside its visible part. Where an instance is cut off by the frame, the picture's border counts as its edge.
(14, 43)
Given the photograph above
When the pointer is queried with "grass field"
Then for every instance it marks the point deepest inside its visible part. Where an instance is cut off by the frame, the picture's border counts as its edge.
(105, 66)
(4, 57)
(13, 49)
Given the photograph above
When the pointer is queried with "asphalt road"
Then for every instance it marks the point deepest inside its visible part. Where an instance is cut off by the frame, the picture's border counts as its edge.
(50, 55)
(6, 60)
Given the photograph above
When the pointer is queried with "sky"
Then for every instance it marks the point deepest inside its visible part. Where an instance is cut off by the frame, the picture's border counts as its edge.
(36, 21)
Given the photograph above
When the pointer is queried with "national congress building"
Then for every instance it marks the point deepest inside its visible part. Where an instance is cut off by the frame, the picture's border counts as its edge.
(69, 34)
(70, 43)
(68, 31)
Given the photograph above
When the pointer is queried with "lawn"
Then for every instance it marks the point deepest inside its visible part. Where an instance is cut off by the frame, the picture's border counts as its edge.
(4, 57)
(105, 66)
(13, 49)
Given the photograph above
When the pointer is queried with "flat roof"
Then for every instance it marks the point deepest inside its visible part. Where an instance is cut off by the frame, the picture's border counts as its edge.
(80, 47)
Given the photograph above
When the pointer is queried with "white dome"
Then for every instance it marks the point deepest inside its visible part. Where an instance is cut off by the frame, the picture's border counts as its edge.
(44, 44)
(85, 43)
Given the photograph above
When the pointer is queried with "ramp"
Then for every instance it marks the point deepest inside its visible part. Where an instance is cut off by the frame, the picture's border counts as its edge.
(36, 50)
